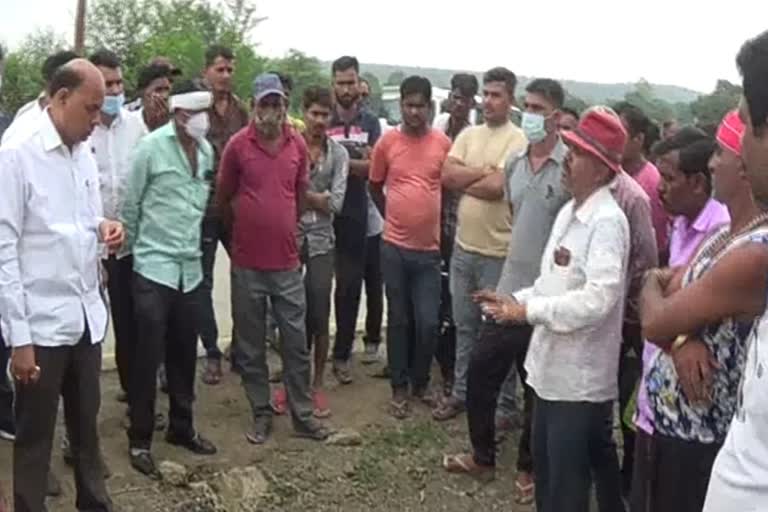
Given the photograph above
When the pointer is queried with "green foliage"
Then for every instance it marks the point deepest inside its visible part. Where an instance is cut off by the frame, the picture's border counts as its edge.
(304, 70)
(709, 109)
(396, 78)
(22, 78)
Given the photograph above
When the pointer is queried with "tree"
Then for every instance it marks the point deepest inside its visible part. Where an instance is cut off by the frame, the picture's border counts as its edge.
(305, 71)
(395, 78)
(710, 109)
(22, 77)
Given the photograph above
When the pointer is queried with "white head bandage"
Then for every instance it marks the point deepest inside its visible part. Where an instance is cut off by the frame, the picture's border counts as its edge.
(198, 100)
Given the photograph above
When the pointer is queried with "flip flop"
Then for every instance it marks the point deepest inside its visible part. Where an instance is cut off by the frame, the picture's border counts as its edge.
(525, 493)
(399, 409)
(465, 464)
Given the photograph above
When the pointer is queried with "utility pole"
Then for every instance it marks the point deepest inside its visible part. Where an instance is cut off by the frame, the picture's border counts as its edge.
(80, 26)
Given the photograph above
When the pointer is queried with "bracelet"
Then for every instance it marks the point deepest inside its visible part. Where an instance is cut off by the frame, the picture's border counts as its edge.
(679, 342)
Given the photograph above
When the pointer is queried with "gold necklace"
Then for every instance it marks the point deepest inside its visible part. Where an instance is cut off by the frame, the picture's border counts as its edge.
(725, 238)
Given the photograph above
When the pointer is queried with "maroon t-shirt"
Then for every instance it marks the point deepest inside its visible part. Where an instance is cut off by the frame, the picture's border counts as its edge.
(266, 188)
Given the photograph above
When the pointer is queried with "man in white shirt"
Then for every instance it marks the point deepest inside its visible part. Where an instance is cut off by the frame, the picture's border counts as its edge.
(113, 143)
(576, 307)
(27, 116)
(51, 302)
(739, 478)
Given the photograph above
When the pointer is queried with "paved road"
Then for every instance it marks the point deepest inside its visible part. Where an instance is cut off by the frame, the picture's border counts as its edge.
(223, 309)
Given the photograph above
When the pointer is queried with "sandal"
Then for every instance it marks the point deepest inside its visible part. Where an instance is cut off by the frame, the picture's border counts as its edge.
(279, 402)
(260, 432)
(448, 409)
(465, 464)
(213, 373)
(399, 409)
(313, 430)
(321, 409)
(524, 494)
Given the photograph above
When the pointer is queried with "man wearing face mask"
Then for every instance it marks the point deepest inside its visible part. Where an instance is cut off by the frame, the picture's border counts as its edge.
(113, 141)
(163, 210)
(261, 188)
(534, 190)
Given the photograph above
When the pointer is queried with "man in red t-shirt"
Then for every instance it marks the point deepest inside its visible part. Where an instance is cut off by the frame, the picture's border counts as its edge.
(262, 183)
(407, 162)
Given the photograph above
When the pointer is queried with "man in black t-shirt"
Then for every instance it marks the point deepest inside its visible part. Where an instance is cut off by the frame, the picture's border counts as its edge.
(358, 227)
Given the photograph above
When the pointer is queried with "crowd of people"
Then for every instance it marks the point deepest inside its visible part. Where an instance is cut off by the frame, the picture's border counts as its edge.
(591, 258)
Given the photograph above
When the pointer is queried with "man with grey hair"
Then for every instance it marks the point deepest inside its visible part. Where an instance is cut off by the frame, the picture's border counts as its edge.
(53, 309)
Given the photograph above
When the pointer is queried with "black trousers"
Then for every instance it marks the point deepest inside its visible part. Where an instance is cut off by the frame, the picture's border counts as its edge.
(492, 358)
(166, 327)
(6, 389)
(630, 371)
(213, 232)
(357, 260)
(120, 288)
(572, 444)
(72, 373)
(671, 475)
(445, 352)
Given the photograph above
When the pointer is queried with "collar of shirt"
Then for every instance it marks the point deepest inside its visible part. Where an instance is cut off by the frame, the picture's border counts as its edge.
(52, 139)
(557, 155)
(587, 209)
(709, 216)
(286, 138)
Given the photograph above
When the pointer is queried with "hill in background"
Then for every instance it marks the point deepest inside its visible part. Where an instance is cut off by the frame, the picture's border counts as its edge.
(590, 92)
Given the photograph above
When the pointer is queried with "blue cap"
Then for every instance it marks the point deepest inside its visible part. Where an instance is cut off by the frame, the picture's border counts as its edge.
(266, 84)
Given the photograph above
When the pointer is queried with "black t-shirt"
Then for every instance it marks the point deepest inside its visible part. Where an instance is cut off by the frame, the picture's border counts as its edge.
(364, 130)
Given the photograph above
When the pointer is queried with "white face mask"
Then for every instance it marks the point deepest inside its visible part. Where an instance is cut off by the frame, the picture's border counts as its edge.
(197, 125)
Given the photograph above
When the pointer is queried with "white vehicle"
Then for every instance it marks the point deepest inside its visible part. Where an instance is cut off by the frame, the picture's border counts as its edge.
(391, 116)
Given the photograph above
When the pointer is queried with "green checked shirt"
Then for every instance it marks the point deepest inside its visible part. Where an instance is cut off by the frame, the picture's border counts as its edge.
(164, 206)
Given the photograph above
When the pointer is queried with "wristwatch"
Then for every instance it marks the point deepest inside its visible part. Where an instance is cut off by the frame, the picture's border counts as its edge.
(679, 342)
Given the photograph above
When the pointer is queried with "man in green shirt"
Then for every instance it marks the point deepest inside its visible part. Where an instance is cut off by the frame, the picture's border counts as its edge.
(165, 201)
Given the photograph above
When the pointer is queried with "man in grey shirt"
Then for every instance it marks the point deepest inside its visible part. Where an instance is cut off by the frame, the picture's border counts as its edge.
(533, 186)
(329, 169)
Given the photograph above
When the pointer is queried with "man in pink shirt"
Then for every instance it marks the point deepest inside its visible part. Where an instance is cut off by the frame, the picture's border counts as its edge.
(686, 192)
(408, 162)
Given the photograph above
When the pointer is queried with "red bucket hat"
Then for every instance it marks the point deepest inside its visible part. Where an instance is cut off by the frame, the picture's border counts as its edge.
(601, 134)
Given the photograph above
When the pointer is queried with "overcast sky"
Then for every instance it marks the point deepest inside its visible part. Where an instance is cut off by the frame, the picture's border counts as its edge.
(682, 42)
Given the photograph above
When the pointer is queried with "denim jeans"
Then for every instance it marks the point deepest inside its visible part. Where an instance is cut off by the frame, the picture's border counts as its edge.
(471, 272)
(572, 444)
(412, 280)
(213, 232)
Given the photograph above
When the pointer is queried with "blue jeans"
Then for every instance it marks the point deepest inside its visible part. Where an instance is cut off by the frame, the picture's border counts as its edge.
(412, 280)
(471, 272)
(572, 447)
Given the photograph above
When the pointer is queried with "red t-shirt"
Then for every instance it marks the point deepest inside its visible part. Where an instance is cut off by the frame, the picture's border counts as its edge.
(266, 188)
(410, 168)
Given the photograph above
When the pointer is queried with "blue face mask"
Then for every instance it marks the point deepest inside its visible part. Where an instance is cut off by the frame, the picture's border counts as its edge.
(113, 104)
(534, 127)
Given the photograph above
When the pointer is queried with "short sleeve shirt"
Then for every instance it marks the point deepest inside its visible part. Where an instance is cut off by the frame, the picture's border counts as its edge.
(410, 168)
(535, 200)
(484, 227)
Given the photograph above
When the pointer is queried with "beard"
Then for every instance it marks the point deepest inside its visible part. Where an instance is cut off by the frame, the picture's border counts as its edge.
(270, 123)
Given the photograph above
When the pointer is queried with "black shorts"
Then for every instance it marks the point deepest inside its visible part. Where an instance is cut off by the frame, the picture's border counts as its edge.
(318, 281)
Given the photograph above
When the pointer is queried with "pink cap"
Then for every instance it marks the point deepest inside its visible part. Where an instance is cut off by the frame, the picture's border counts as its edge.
(730, 132)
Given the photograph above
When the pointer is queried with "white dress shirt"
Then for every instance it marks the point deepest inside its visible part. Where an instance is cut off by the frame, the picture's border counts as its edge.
(25, 121)
(50, 210)
(577, 309)
(113, 147)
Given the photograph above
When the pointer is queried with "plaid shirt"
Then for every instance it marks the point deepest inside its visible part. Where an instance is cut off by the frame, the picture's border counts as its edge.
(450, 199)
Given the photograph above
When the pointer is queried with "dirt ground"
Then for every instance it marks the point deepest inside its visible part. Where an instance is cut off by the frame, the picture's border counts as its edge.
(396, 468)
